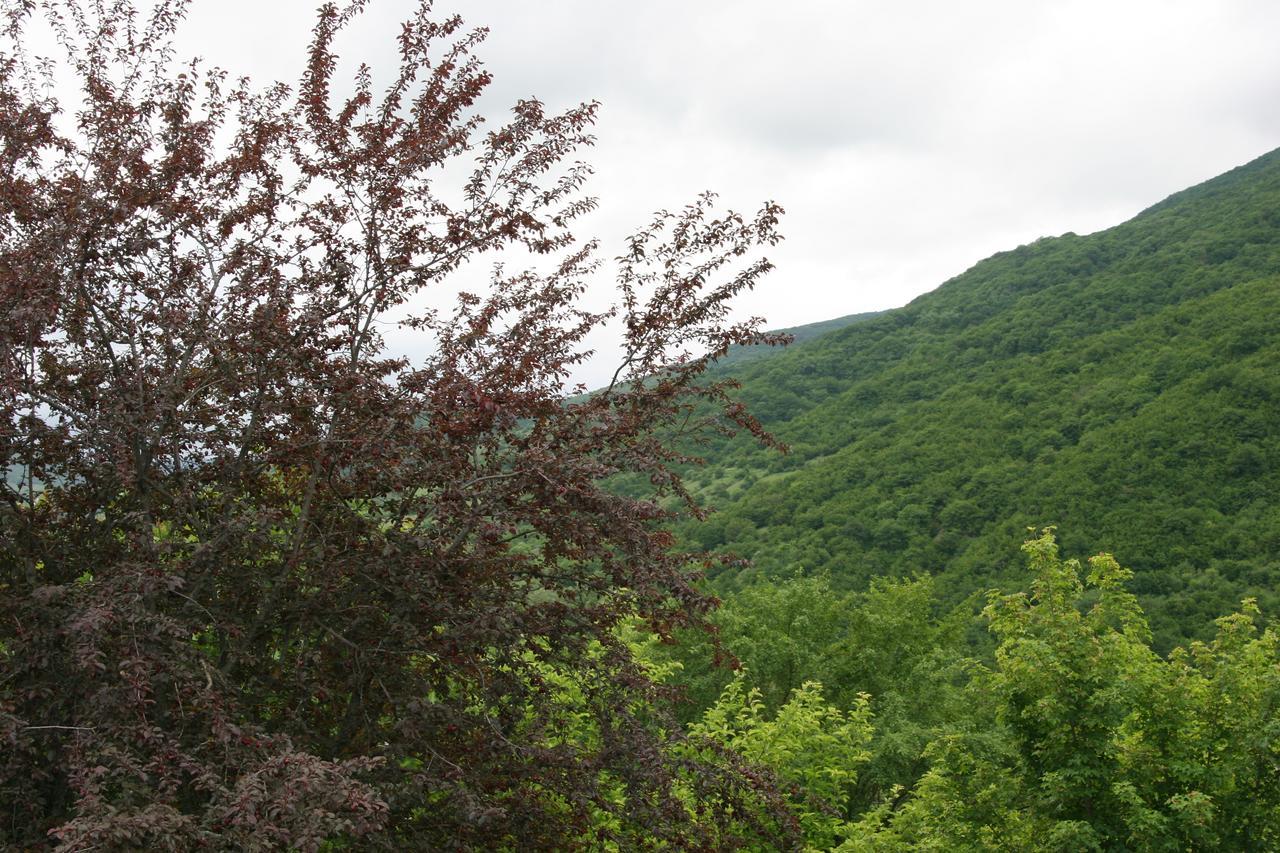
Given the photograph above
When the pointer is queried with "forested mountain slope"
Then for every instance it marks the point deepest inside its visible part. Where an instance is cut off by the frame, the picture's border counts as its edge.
(1122, 385)
(799, 335)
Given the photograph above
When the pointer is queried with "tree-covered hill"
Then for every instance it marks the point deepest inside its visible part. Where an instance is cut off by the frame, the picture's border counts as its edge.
(1123, 385)
(799, 336)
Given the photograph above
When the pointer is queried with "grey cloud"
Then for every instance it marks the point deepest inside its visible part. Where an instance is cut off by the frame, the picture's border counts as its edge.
(907, 138)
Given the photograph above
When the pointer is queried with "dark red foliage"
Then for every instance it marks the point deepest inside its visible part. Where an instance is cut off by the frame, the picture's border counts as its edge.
(263, 584)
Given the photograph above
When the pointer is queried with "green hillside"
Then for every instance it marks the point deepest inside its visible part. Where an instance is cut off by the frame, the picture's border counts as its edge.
(1124, 386)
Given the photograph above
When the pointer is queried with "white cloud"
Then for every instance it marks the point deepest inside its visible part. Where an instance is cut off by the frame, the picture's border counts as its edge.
(906, 139)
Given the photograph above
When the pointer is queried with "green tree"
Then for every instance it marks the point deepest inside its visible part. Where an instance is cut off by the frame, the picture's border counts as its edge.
(784, 632)
(813, 747)
(1095, 742)
(886, 642)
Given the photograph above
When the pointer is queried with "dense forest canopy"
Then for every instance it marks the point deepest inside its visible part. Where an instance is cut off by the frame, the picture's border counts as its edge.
(1071, 734)
(1120, 385)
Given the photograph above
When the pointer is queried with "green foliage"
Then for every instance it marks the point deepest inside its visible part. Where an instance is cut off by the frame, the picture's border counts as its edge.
(1121, 384)
(784, 632)
(812, 746)
(1076, 735)
(887, 642)
(1097, 742)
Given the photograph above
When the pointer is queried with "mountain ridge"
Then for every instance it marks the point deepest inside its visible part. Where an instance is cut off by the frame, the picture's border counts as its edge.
(1019, 393)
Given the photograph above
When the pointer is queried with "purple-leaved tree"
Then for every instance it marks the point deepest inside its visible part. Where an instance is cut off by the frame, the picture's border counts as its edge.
(264, 584)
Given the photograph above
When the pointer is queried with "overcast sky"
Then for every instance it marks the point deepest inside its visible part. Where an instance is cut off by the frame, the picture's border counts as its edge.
(907, 140)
